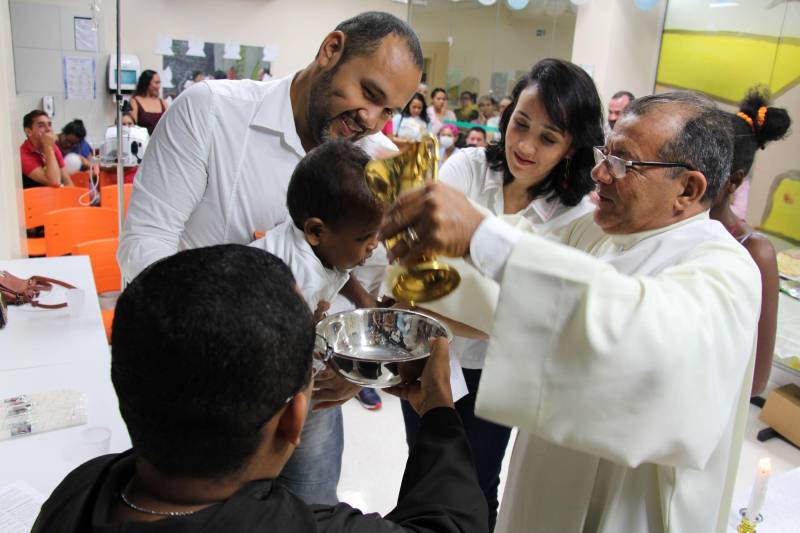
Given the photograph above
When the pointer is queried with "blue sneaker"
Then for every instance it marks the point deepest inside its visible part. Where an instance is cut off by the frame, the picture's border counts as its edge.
(369, 399)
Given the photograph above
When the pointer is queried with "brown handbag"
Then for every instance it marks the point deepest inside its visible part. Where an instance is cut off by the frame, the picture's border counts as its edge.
(17, 291)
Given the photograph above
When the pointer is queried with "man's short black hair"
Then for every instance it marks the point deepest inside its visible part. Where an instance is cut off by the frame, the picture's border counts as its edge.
(206, 347)
(704, 141)
(620, 94)
(329, 184)
(27, 120)
(479, 129)
(365, 32)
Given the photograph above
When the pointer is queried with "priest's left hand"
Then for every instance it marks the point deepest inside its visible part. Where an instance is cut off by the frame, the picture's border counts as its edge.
(441, 217)
(331, 389)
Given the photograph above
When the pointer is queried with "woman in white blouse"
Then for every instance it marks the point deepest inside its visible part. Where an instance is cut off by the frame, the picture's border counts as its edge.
(540, 170)
(412, 122)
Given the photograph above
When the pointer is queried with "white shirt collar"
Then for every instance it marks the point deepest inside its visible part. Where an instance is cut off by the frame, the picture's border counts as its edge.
(275, 113)
(545, 209)
(629, 240)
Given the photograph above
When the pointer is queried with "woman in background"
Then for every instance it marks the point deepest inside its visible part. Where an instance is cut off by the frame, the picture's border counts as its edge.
(147, 106)
(72, 140)
(438, 112)
(412, 123)
(447, 142)
(755, 125)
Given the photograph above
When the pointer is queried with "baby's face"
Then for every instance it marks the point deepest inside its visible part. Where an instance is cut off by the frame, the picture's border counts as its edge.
(349, 244)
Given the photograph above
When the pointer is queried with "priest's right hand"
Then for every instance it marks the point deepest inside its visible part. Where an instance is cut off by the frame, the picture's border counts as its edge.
(432, 389)
(435, 219)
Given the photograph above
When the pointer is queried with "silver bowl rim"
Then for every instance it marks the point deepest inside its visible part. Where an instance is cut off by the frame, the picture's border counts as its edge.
(364, 310)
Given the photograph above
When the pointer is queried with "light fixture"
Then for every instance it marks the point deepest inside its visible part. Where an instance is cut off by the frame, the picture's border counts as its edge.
(723, 3)
(487, 2)
(516, 5)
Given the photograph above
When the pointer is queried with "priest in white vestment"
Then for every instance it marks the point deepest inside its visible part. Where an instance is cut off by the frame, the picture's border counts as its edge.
(625, 357)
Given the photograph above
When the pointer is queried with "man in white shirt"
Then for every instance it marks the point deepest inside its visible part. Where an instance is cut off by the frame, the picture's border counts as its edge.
(624, 358)
(218, 165)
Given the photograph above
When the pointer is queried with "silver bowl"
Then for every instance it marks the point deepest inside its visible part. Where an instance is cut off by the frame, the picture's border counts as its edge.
(366, 345)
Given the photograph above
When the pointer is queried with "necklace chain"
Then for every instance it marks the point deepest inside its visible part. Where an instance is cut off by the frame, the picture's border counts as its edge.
(150, 511)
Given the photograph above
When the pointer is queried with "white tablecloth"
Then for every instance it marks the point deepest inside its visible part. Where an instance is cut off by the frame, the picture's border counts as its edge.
(46, 350)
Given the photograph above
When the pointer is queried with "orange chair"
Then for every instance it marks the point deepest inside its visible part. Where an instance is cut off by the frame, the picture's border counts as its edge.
(65, 228)
(41, 200)
(108, 196)
(81, 179)
(103, 257)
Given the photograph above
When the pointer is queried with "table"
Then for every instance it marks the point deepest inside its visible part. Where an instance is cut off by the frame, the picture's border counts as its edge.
(45, 350)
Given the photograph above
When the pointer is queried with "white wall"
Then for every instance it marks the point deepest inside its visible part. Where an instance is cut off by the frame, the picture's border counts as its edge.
(620, 43)
(296, 26)
(494, 39)
(11, 223)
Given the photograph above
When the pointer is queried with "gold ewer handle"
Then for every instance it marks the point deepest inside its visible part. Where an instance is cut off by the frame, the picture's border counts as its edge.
(417, 164)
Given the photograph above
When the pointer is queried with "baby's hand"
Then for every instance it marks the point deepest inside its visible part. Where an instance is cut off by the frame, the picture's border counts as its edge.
(321, 310)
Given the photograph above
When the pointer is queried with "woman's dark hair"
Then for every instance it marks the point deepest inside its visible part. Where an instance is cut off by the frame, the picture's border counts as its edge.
(573, 105)
(437, 91)
(75, 128)
(749, 138)
(407, 109)
(144, 82)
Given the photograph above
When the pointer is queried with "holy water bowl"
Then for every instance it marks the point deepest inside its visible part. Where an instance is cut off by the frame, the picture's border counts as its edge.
(366, 346)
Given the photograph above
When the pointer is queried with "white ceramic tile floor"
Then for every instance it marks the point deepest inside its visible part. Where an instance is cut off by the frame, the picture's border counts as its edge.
(375, 455)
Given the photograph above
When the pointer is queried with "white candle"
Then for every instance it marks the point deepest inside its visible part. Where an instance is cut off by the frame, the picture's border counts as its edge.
(759, 492)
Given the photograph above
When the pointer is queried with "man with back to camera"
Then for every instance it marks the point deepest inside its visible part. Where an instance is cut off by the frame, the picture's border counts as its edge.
(624, 352)
(617, 105)
(218, 165)
(206, 450)
(40, 158)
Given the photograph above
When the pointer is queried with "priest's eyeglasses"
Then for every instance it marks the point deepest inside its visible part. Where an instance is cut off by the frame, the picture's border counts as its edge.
(618, 167)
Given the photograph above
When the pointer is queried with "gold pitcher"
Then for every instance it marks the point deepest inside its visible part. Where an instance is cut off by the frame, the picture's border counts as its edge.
(417, 164)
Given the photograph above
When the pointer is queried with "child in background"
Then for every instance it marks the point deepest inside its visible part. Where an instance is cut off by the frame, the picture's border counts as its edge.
(755, 125)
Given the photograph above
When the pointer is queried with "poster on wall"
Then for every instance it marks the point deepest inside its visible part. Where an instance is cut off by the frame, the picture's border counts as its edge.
(211, 62)
(79, 78)
(85, 34)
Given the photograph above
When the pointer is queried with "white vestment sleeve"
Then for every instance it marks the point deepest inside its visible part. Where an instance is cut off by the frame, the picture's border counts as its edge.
(631, 369)
(170, 182)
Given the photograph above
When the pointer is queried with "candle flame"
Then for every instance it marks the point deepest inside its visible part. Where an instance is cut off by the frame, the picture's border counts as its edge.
(765, 465)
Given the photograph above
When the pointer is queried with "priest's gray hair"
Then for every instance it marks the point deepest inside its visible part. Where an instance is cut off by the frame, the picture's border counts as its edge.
(705, 141)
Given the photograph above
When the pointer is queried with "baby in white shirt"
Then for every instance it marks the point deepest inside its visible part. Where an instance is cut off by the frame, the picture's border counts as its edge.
(333, 223)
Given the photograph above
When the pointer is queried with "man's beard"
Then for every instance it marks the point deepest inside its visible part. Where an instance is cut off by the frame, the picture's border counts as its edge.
(319, 119)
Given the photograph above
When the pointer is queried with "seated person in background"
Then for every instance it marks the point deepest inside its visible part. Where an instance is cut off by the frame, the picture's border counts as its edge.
(754, 126)
(447, 142)
(617, 105)
(127, 119)
(504, 103)
(468, 110)
(72, 140)
(488, 115)
(42, 163)
(476, 137)
(412, 122)
(206, 450)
